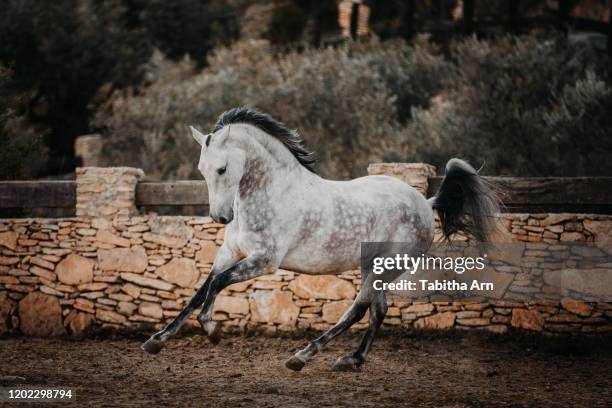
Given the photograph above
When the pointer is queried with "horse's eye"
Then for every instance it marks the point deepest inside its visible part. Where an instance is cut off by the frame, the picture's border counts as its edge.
(221, 170)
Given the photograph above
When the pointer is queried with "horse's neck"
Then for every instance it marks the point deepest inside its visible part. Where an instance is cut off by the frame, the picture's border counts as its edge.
(276, 167)
(269, 149)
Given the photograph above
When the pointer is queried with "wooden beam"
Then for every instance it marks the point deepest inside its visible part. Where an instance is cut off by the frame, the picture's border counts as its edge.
(186, 192)
(38, 194)
(536, 194)
(550, 194)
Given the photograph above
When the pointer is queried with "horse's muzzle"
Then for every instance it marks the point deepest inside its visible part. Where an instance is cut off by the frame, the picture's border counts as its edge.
(222, 219)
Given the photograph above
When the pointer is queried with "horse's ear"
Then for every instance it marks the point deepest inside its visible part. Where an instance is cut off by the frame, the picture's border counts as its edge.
(197, 135)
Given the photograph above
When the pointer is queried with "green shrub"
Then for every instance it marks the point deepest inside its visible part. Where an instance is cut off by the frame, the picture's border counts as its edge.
(286, 24)
(304, 21)
(68, 55)
(580, 128)
(63, 52)
(522, 106)
(22, 150)
(185, 27)
(341, 99)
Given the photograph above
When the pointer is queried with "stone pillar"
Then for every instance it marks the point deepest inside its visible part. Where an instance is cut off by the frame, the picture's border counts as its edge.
(106, 192)
(415, 174)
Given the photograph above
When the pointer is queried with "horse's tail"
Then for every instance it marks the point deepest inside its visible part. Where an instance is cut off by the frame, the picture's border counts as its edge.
(466, 202)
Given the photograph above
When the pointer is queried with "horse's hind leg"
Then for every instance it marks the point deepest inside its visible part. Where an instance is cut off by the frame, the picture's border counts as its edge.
(350, 317)
(378, 310)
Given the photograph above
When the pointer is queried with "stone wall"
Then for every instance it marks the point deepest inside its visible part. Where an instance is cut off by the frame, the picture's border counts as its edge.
(124, 270)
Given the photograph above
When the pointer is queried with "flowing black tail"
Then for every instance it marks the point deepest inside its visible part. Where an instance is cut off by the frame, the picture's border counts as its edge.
(466, 202)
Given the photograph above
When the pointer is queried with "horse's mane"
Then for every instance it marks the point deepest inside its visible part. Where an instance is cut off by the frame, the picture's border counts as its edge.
(289, 137)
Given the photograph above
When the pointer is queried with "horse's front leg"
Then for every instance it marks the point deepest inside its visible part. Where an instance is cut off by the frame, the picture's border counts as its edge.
(249, 268)
(224, 259)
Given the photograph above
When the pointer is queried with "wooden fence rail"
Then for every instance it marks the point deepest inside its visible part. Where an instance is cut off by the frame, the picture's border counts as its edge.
(534, 194)
(38, 194)
(550, 194)
(172, 193)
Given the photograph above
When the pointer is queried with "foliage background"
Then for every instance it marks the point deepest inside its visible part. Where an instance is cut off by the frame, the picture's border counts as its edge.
(522, 105)
(140, 71)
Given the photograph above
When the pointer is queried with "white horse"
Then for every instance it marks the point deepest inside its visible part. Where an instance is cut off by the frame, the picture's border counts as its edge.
(280, 214)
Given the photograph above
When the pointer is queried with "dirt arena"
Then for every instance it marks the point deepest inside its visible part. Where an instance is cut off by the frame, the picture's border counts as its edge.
(429, 369)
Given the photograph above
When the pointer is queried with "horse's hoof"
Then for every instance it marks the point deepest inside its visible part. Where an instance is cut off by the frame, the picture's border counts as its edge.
(295, 364)
(152, 346)
(347, 363)
(214, 333)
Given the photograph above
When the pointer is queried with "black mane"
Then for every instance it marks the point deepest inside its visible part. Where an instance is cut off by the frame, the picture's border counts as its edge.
(290, 138)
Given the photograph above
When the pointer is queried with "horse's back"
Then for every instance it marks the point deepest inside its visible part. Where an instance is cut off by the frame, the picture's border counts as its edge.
(402, 212)
(367, 209)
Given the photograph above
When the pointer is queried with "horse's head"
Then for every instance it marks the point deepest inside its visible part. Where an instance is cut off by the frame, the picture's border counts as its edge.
(221, 164)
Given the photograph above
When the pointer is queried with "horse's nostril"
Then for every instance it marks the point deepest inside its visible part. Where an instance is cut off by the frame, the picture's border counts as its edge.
(223, 220)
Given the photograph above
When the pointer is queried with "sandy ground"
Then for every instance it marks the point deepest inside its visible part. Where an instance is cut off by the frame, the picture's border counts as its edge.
(405, 369)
